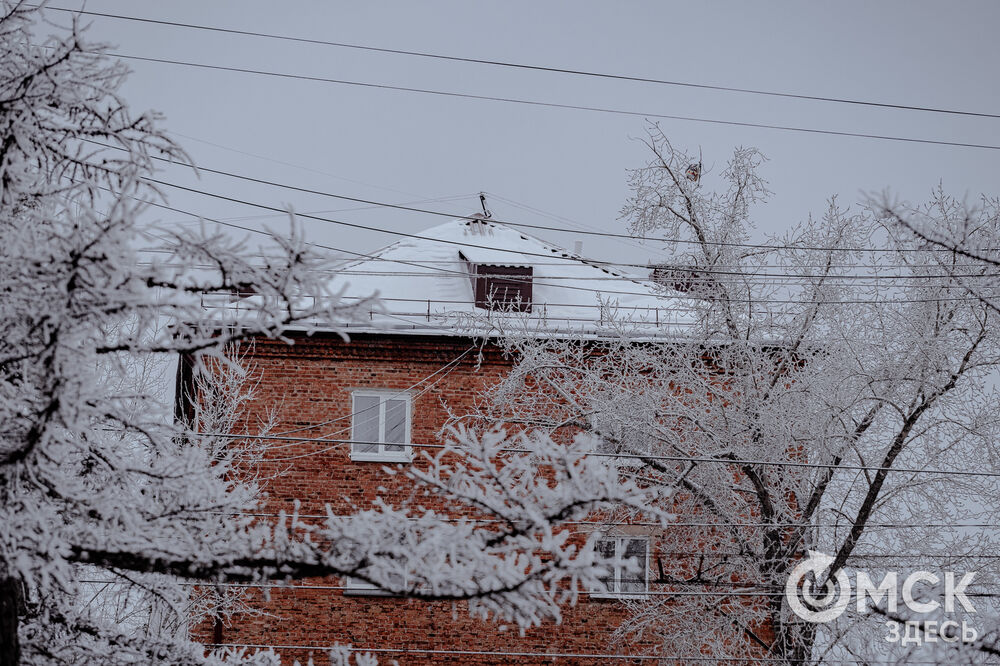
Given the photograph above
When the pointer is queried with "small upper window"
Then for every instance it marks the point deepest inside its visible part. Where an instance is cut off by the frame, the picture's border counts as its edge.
(380, 426)
(622, 582)
(498, 282)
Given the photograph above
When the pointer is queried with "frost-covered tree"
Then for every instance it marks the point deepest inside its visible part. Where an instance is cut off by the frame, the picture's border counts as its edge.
(98, 483)
(836, 376)
(963, 239)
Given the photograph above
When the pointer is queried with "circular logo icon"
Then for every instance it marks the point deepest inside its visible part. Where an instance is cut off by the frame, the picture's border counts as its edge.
(802, 596)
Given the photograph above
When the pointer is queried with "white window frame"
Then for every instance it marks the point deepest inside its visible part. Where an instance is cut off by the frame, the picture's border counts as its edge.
(616, 575)
(381, 454)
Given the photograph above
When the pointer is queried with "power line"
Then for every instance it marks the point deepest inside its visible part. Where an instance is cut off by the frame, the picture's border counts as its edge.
(631, 523)
(635, 243)
(740, 589)
(685, 459)
(553, 251)
(540, 68)
(737, 267)
(868, 281)
(555, 105)
(775, 278)
(595, 306)
(641, 316)
(447, 368)
(296, 166)
(354, 225)
(358, 255)
(596, 263)
(327, 211)
(510, 223)
(192, 217)
(453, 216)
(620, 313)
(550, 655)
(551, 325)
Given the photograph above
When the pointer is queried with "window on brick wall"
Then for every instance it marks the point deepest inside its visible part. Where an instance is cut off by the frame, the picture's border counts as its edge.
(622, 582)
(380, 426)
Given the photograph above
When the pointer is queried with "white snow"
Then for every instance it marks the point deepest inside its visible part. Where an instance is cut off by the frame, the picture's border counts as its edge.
(425, 285)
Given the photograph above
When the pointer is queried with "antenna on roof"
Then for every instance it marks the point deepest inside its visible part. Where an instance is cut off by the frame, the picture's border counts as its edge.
(486, 211)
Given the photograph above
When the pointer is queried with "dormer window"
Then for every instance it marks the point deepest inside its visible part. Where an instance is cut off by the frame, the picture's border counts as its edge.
(500, 280)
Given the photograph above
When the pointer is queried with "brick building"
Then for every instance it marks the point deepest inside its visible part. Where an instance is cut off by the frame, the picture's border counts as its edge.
(376, 398)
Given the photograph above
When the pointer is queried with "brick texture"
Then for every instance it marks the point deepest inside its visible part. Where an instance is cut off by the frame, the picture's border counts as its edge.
(309, 384)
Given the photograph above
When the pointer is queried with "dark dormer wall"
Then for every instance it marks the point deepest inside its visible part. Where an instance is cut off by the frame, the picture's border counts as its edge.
(501, 287)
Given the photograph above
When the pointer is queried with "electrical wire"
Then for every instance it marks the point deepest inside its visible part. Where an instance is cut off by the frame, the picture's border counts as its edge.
(446, 368)
(654, 322)
(295, 166)
(739, 591)
(576, 225)
(855, 280)
(510, 223)
(597, 263)
(403, 234)
(553, 655)
(526, 66)
(452, 216)
(555, 105)
(668, 307)
(636, 456)
(702, 120)
(452, 262)
(774, 278)
(567, 255)
(320, 516)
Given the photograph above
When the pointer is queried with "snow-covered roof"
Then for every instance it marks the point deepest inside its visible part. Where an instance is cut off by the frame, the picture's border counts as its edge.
(492, 257)
(425, 286)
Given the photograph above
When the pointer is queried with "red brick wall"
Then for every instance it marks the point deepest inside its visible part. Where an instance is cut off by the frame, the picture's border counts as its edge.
(309, 383)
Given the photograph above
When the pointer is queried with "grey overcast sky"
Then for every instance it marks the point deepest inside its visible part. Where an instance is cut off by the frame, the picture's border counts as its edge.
(554, 166)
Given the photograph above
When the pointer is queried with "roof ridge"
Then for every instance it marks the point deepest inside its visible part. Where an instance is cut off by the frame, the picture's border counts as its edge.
(574, 255)
(478, 218)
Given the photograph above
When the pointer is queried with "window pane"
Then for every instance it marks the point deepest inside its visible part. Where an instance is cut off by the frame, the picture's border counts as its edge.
(635, 549)
(366, 417)
(606, 550)
(395, 424)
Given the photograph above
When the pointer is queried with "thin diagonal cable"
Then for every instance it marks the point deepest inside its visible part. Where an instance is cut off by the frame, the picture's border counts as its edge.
(447, 369)
(532, 67)
(555, 105)
(553, 655)
(684, 459)
(569, 257)
(454, 216)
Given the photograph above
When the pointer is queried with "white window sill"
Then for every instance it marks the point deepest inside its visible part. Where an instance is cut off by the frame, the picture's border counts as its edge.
(404, 456)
